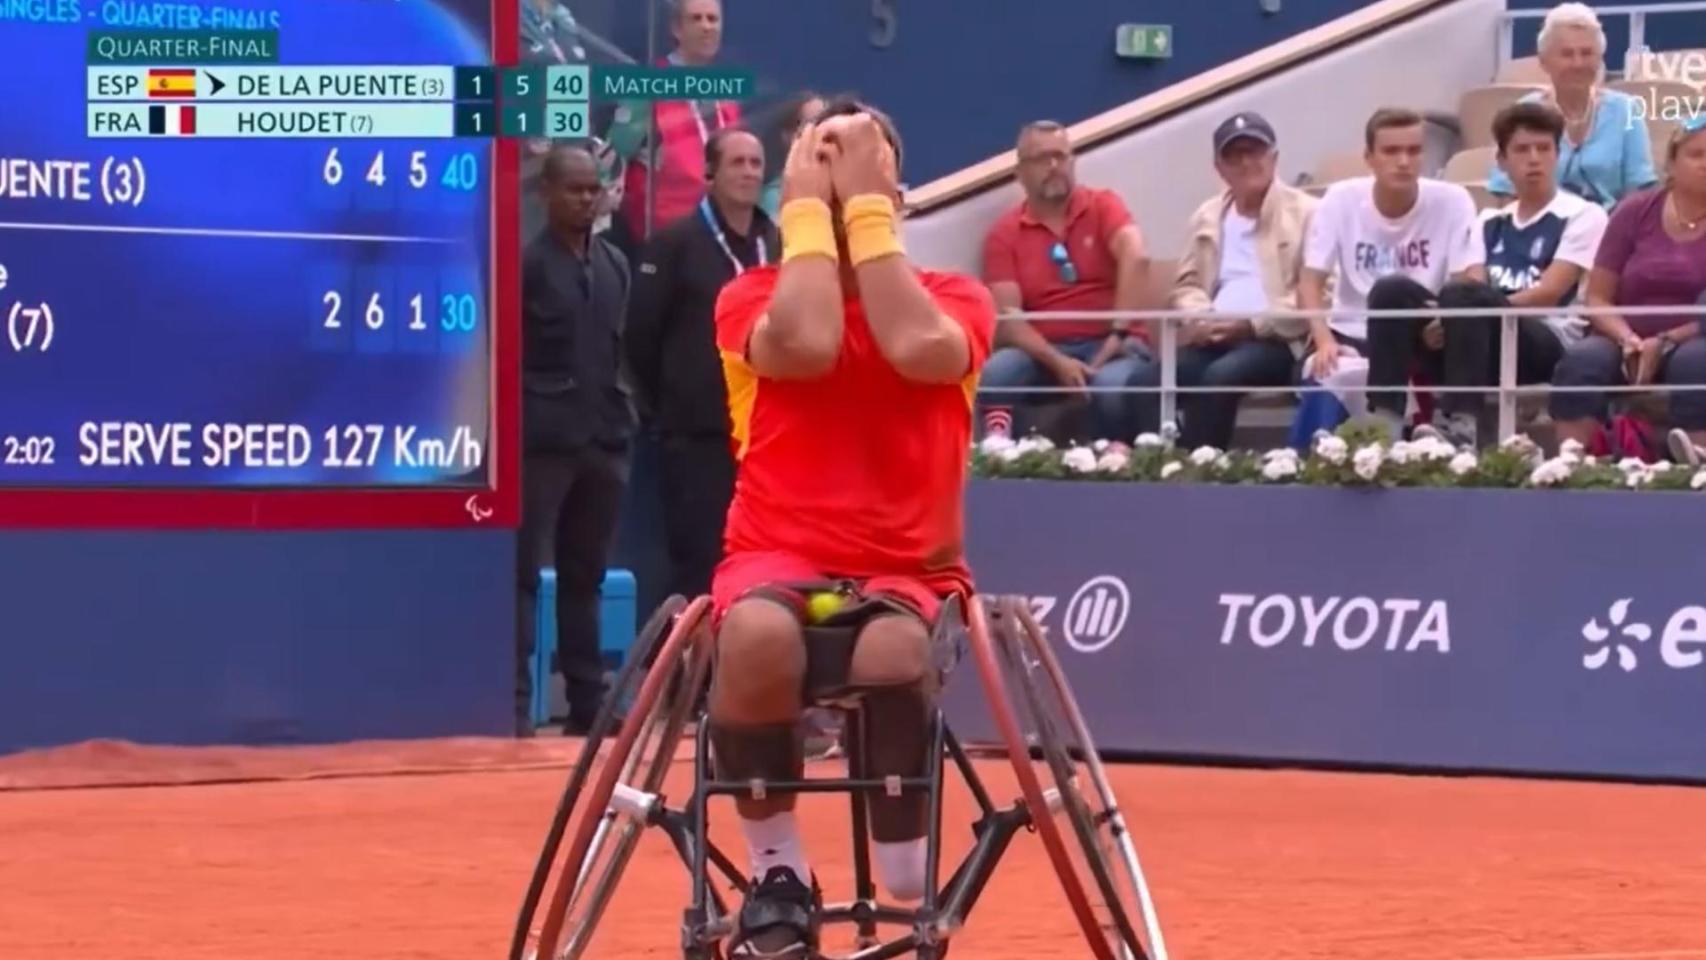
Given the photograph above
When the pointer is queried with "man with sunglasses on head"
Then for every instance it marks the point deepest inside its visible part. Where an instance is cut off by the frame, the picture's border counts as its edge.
(1064, 247)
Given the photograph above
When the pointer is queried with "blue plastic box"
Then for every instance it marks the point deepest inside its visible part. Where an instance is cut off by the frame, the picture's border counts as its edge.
(617, 625)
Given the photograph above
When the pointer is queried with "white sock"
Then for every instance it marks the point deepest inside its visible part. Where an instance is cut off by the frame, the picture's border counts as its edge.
(775, 842)
(901, 866)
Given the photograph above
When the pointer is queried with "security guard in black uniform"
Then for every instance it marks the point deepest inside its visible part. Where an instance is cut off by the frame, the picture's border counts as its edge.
(672, 348)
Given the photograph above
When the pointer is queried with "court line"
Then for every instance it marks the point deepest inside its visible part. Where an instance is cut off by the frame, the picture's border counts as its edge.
(214, 232)
(1647, 955)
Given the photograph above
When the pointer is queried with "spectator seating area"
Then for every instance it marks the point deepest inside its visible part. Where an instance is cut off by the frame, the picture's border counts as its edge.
(1350, 61)
(1474, 159)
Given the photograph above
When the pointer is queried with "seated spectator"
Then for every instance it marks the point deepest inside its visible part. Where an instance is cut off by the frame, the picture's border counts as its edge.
(800, 109)
(1243, 257)
(1653, 255)
(1064, 247)
(1605, 153)
(1397, 240)
(1539, 248)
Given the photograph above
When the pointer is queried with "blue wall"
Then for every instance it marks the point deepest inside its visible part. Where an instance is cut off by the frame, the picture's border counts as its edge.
(1543, 632)
(208, 637)
(1675, 31)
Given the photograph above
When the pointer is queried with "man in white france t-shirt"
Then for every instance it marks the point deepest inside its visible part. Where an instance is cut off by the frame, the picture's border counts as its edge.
(1394, 240)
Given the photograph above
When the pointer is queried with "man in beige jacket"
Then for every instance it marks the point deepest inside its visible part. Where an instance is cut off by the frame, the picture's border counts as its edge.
(1244, 255)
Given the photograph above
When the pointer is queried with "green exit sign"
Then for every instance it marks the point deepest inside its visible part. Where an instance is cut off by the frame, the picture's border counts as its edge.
(1143, 41)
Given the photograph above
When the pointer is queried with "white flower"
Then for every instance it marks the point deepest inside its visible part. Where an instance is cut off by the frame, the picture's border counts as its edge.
(1279, 468)
(1150, 440)
(1367, 461)
(1638, 479)
(1464, 464)
(1170, 468)
(1203, 456)
(1100, 446)
(1663, 466)
(1572, 448)
(1434, 448)
(1552, 472)
(1280, 453)
(1113, 461)
(1010, 454)
(1332, 449)
(1036, 443)
(1402, 452)
(1223, 463)
(1631, 466)
(1169, 431)
(1519, 443)
(996, 444)
(1079, 460)
(1699, 481)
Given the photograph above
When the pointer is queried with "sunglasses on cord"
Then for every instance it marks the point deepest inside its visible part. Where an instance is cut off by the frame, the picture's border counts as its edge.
(1063, 263)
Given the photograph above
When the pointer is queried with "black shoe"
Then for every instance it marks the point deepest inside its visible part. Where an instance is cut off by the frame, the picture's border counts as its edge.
(578, 726)
(779, 920)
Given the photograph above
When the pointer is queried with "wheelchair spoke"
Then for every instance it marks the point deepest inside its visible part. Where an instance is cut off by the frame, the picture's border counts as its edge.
(1108, 850)
(622, 799)
(1088, 841)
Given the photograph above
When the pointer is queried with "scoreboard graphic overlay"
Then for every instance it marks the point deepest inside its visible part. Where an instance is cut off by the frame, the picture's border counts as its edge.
(259, 266)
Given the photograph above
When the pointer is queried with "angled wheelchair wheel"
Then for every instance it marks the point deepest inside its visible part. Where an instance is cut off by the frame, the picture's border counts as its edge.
(630, 762)
(635, 795)
(1080, 792)
(1106, 920)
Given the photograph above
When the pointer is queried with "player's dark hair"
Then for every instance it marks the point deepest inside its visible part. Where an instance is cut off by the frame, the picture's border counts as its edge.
(1389, 118)
(1532, 116)
(846, 106)
(714, 146)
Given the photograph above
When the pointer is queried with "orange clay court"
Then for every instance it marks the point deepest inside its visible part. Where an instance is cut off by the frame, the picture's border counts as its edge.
(422, 850)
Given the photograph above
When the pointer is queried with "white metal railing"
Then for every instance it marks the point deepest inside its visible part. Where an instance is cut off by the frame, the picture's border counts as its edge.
(1507, 389)
(1636, 13)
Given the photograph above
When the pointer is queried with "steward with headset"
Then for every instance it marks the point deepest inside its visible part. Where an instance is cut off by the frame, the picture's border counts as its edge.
(672, 352)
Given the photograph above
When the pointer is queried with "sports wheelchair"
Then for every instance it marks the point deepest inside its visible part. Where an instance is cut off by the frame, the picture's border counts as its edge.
(613, 793)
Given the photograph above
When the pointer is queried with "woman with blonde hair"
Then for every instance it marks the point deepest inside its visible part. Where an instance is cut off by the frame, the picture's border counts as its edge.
(1606, 153)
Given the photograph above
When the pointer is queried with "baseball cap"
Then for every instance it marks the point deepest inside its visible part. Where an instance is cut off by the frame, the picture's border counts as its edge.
(1246, 124)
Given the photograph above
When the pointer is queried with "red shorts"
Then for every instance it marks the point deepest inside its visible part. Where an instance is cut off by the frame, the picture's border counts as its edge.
(741, 573)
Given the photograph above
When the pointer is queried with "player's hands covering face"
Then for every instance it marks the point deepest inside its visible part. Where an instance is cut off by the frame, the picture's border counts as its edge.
(806, 175)
(861, 160)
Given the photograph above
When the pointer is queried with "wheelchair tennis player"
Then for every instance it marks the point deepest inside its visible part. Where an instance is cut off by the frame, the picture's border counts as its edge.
(851, 375)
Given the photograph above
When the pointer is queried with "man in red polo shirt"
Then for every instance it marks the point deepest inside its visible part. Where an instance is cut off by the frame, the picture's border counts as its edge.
(851, 375)
(1064, 247)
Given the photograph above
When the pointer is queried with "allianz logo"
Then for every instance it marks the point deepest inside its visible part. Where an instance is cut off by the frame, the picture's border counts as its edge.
(1350, 624)
(1094, 616)
(1617, 636)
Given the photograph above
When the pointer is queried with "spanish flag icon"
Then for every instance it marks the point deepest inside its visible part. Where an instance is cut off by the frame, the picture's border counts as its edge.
(171, 83)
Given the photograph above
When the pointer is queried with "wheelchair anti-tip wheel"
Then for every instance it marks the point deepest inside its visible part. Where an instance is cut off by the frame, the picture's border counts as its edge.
(659, 693)
(1094, 855)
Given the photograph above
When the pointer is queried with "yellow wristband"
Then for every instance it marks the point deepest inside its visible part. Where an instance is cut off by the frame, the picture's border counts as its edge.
(808, 229)
(870, 222)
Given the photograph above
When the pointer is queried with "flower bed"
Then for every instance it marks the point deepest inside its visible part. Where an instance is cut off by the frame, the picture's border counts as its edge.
(1354, 456)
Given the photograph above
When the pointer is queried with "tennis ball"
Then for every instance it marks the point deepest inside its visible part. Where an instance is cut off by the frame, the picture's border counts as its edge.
(822, 606)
